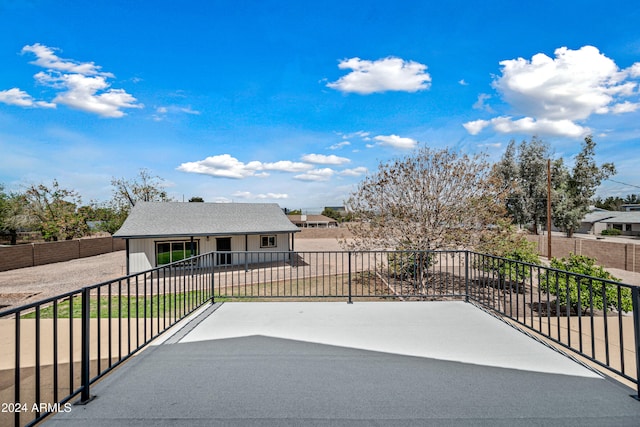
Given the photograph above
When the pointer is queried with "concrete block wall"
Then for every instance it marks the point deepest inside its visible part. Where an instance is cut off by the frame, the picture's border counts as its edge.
(624, 256)
(12, 257)
(20, 256)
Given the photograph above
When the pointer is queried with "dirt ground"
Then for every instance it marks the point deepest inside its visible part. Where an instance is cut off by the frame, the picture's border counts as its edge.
(25, 285)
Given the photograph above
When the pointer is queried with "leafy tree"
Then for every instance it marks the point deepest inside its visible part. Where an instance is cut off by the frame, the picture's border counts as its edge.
(581, 293)
(574, 190)
(107, 217)
(430, 199)
(14, 215)
(524, 167)
(56, 212)
(196, 199)
(294, 212)
(610, 203)
(330, 213)
(632, 199)
(511, 250)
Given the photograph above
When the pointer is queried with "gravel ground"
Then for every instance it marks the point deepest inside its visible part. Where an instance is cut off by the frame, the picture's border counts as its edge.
(25, 285)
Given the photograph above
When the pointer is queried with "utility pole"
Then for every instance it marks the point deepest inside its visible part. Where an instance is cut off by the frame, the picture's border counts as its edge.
(549, 208)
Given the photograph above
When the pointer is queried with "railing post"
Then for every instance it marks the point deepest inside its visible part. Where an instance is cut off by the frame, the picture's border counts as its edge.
(466, 276)
(349, 275)
(85, 396)
(635, 295)
(213, 287)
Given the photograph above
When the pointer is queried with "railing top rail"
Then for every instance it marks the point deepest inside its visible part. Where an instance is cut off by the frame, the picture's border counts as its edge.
(556, 270)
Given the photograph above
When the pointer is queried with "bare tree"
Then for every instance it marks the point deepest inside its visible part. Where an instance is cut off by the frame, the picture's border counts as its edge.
(430, 199)
(145, 187)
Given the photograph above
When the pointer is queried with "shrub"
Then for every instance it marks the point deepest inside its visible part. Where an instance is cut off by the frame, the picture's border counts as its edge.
(611, 232)
(582, 293)
(509, 250)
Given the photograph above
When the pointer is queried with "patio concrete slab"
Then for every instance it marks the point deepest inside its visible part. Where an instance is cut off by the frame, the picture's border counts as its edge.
(441, 363)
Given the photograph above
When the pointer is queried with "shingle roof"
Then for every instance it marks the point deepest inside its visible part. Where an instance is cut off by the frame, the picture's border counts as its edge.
(171, 219)
(624, 217)
(597, 216)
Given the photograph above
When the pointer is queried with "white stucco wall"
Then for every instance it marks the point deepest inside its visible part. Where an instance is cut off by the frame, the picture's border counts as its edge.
(142, 252)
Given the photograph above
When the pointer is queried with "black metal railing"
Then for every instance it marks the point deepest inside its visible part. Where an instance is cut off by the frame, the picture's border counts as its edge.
(596, 318)
(53, 350)
(424, 275)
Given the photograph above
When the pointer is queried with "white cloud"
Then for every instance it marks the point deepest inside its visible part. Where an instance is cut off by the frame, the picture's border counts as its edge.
(162, 112)
(283, 166)
(226, 166)
(21, 98)
(395, 141)
(625, 107)
(462, 82)
(387, 74)
(316, 175)
(476, 126)
(223, 166)
(481, 104)
(46, 58)
(552, 94)
(325, 160)
(79, 85)
(339, 145)
(360, 170)
(528, 125)
(83, 94)
(249, 195)
(189, 110)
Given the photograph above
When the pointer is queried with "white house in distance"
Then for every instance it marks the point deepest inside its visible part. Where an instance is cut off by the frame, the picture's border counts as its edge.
(158, 233)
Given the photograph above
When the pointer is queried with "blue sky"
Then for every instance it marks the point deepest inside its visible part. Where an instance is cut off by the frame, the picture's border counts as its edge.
(293, 102)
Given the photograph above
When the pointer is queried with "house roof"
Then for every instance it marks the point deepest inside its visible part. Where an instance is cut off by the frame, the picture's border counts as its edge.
(171, 219)
(623, 218)
(311, 218)
(598, 216)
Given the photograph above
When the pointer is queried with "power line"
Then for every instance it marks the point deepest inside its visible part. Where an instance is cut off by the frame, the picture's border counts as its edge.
(623, 183)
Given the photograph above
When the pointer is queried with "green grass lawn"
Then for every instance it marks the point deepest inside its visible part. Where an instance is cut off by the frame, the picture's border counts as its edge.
(156, 306)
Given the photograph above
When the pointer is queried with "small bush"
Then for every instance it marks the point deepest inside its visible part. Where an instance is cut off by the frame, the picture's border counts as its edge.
(581, 293)
(611, 232)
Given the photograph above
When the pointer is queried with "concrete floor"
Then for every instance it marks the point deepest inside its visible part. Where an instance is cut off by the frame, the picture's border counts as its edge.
(378, 363)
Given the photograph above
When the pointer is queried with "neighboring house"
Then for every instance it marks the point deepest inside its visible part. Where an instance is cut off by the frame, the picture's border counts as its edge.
(627, 222)
(159, 233)
(592, 222)
(631, 207)
(313, 221)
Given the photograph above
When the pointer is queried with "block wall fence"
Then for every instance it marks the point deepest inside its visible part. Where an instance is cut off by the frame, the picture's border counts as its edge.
(624, 256)
(32, 254)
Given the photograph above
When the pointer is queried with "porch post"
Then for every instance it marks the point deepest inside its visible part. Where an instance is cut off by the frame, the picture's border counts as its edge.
(126, 241)
(246, 254)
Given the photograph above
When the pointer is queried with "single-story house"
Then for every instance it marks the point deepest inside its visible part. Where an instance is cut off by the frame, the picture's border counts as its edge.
(313, 221)
(159, 233)
(631, 207)
(592, 222)
(627, 222)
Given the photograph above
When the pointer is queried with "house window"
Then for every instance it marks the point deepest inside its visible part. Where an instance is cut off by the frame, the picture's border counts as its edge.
(168, 252)
(268, 241)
